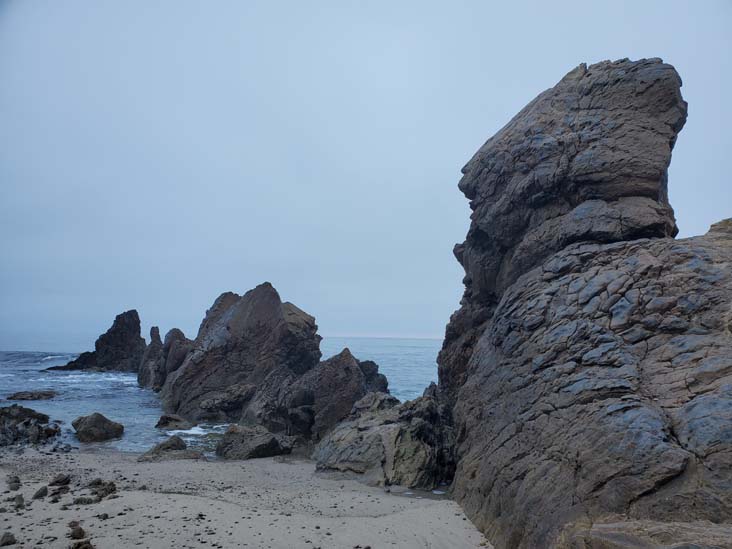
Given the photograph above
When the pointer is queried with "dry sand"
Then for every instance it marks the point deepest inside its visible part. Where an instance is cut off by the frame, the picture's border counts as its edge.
(272, 502)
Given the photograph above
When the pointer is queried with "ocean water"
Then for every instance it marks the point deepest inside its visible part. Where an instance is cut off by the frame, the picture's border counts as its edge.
(409, 364)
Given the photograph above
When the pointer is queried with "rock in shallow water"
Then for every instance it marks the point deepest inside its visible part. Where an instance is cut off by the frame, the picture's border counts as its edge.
(33, 395)
(119, 349)
(96, 428)
(173, 422)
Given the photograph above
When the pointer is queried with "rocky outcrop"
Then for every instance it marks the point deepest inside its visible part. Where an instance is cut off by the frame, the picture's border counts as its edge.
(162, 358)
(120, 348)
(590, 364)
(243, 442)
(96, 428)
(151, 372)
(325, 395)
(20, 425)
(408, 444)
(247, 350)
(170, 449)
(33, 395)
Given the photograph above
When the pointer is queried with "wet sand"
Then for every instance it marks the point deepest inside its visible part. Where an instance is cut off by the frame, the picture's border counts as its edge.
(262, 503)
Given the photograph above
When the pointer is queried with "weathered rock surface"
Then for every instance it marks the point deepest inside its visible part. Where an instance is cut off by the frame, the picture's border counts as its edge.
(244, 442)
(173, 422)
(96, 428)
(589, 369)
(325, 395)
(151, 372)
(33, 395)
(162, 358)
(170, 449)
(391, 443)
(119, 348)
(248, 348)
(20, 425)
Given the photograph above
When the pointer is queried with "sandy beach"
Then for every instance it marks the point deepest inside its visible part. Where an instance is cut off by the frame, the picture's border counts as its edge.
(268, 503)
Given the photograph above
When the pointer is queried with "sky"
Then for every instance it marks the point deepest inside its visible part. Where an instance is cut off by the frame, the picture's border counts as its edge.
(154, 154)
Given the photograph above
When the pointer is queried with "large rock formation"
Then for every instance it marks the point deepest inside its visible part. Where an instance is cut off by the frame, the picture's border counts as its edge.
(322, 397)
(246, 346)
(119, 348)
(255, 362)
(162, 358)
(589, 368)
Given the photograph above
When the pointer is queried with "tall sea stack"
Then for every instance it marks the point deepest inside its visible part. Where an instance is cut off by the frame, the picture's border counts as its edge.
(589, 367)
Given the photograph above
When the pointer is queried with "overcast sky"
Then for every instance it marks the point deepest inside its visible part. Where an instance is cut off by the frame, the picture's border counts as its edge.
(154, 154)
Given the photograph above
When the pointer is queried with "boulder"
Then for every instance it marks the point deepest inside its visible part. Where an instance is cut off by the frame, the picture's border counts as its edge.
(33, 395)
(391, 443)
(248, 349)
(96, 428)
(120, 348)
(7, 539)
(589, 368)
(243, 442)
(170, 449)
(20, 425)
(173, 422)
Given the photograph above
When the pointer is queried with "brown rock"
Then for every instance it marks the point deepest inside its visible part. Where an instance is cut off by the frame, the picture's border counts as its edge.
(243, 442)
(588, 369)
(96, 428)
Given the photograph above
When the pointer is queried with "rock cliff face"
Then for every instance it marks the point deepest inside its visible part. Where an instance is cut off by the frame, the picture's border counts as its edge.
(119, 348)
(589, 368)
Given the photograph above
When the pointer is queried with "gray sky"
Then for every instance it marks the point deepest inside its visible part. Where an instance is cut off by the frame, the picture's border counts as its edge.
(154, 154)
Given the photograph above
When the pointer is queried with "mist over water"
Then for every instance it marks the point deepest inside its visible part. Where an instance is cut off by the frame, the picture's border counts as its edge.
(409, 365)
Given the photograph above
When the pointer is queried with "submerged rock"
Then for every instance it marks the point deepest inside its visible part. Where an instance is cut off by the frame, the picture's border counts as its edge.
(590, 364)
(33, 395)
(242, 442)
(119, 348)
(20, 425)
(96, 428)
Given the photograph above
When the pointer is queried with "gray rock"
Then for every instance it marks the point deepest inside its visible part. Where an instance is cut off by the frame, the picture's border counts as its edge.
(173, 422)
(244, 442)
(20, 425)
(33, 395)
(160, 358)
(120, 348)
(170, 449)
(96, 428)
(151, 372)
(589, 368)
(7, 539)
(42, 492)
(390, 443)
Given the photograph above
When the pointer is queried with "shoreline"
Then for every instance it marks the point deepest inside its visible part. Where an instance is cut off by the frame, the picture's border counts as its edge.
(270, 503)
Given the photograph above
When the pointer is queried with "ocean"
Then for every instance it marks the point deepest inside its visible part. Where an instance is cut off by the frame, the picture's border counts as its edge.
(409, 364)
